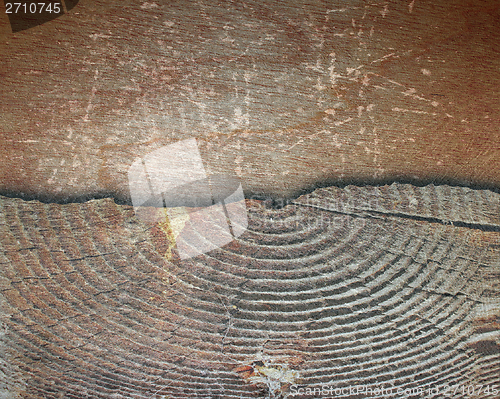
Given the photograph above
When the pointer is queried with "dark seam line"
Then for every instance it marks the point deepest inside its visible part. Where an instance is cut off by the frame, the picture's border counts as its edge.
(378, 215)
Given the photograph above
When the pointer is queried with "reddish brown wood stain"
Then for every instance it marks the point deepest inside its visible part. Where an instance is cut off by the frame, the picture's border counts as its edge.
(368, 93)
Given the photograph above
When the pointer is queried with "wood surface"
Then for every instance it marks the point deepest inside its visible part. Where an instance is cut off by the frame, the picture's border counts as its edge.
(289, 94)
(345, 287)
(395, 285)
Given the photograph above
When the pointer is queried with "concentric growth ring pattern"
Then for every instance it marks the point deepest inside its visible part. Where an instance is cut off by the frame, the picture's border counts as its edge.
(389, 287)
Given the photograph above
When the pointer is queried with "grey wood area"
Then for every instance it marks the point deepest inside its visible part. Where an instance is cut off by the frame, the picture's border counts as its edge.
(362, 286)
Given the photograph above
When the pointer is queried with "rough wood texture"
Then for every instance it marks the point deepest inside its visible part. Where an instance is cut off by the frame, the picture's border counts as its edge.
(445, 204)
(289, 94)
(355, 286)
(396, 285)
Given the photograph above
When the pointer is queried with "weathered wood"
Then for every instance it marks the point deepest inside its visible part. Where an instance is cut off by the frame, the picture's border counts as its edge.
(445, 204)
(290, 94)
(396, 285)
(345, 287)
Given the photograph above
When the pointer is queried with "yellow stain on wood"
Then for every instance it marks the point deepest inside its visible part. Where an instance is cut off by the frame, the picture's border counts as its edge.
(172, 222)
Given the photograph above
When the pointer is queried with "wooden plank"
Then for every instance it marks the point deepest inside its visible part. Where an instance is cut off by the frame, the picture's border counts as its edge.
(356, 286)
(289, 95)
(306, 297)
